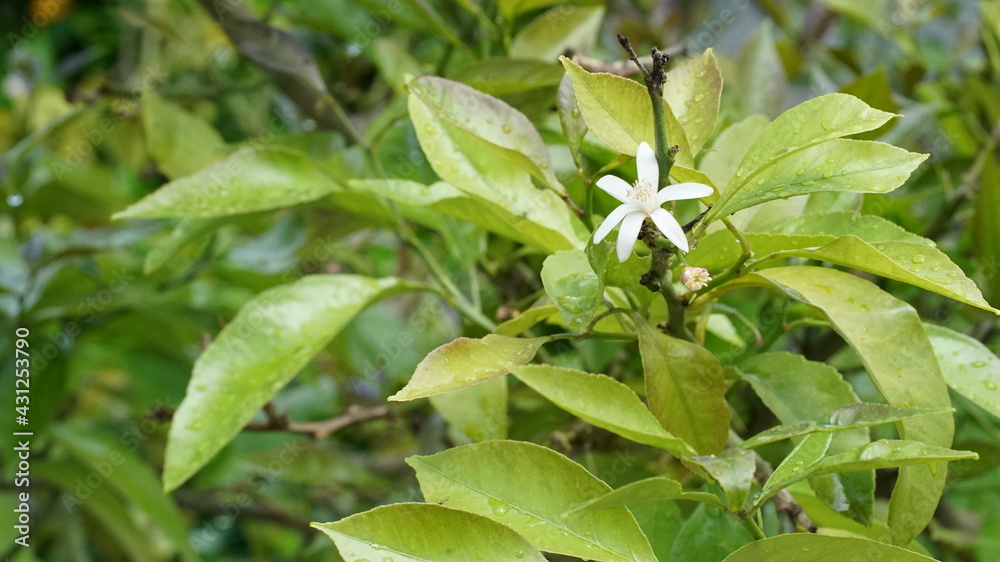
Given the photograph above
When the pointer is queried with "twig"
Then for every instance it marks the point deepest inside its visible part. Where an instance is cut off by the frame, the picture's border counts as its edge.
(354, 414)
(209, 504)
(620, 67)
(783, 500)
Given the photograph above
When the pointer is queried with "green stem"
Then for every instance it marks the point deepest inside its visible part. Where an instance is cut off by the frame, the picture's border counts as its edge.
(676, 318)
(750, 525)
(448, 290)
(663, 155)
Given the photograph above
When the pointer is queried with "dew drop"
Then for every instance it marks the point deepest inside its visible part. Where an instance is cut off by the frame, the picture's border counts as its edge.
(698, 121)
(699, 97)
(990, 385)
(808, 183)
(827, 174)
(800, 171)
(979, 364)
(918, 258)
(575, 113)
(506, 128)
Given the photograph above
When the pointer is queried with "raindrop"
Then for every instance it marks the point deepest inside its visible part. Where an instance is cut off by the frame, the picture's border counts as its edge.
(699, 97)
(827, 174)
(760, 182)
(918, 258)
(979, 364)
(808, 183)
(506, 128)
(990, 385)
(698, 121)
(800, 171)
(575, 113)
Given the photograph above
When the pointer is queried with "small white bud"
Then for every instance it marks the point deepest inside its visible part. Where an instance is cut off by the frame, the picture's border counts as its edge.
(695, 278)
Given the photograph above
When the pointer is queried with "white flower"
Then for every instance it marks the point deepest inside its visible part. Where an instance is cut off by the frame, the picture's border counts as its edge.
(695, 278)
(642, 200)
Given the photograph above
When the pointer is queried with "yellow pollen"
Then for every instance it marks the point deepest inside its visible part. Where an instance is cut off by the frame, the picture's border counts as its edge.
(641, 191)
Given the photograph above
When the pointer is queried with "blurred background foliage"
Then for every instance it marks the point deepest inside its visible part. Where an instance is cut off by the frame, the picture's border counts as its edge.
(103, 102)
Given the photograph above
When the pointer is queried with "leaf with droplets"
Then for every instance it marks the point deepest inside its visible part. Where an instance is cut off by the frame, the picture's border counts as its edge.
(602, 401)
(834, 165)
(821, 548)
(852, 416)
(488, 214)
(870, 228)
(801, 463)
(573, 126)
(692, 92)
(733, 469)
(657, 488)
(787, 384)
(574, 287)
(530, 489)
(910, 262)
(968, 366)
(467, 361)
(250, 179)
(495, 175)
(488, 118)
(807, 459)
(271, 338)
(888, 337)
(399, 532)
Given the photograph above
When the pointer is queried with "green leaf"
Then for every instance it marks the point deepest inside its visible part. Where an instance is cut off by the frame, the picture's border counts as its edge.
(985, 228)
(167, 247)
(130, 476)
(800, 464)
(810, 123)
(573, 126)
(692, 91)
(491, 215)
(492, 173)
(107, 509)
(511, 8)
(761, 82)
(708, 535)
(271, 338)
(179, 142)
(503, 76)
(413, 531)
(556, 31)
(686, 389)
(477, 413)
(250, 179)
(821, 548)
(718, 250)
(968, 366)
(655, 489)
(573, 286)
(524, 321)
(617, 110)
(504, 128)
(722, 161)
(465, 362)
(787, 384)
(601, 401)
(733, 469)
(530, 488)
(910, 262)
(869, 228)
(887, 335)
(834, 165)
(847, 417)
(806, 460)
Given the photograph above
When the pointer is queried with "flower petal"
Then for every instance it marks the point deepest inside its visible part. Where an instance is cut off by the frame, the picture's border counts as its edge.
(680, 191)
(615, 187)
(646, 166)
(628, 234)
(612, 219)
(670, 228)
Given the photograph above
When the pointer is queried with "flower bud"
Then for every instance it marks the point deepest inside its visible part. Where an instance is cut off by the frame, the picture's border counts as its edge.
(695, 278)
